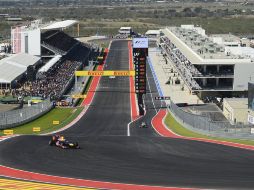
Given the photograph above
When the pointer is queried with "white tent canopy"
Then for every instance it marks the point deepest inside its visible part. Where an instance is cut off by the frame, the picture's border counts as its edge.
(12, 67)
(50, 63)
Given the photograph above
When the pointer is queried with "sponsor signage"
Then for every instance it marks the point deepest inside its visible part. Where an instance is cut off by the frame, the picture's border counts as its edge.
(56, 122)
(105, 73)
(8, 132)
(77, 96)
(36, 129)
(140, 42)
(162, 98)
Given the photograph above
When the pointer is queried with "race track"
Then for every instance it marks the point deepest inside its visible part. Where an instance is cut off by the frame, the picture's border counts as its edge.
(144, 157)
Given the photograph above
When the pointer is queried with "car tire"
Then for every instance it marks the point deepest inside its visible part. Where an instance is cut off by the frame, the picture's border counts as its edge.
(51, 143)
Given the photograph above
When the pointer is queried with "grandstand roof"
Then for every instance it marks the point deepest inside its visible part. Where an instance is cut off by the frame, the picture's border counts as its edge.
(191, 51)
(50, 63)
(59, 25)
(14, 66)
(187, 51)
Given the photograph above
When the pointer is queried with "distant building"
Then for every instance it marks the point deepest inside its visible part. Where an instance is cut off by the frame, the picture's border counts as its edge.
(125, 30)
(251, 102)
(27, 38)
(209, 66)
(14, 19)
(153, 33)
(236, 110)
(4, 15)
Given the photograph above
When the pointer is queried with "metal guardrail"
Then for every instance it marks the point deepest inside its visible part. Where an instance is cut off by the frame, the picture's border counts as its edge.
(207, 126)
(17, 117)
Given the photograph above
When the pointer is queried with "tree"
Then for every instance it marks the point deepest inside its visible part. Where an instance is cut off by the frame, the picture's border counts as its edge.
(187, 12)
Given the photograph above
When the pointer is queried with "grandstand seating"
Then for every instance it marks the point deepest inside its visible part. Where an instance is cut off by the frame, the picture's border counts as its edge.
(57, 79)
(58, 39)
(183, 65)
(78, 53)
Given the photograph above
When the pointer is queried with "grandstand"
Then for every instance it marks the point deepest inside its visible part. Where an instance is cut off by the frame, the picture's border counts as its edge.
(60, 53)
(208, 65)
(57, 75)
(27, 38)
(57, 41)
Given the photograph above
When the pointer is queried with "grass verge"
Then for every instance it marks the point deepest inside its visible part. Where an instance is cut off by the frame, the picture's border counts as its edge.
(177, 128)
(63, 115)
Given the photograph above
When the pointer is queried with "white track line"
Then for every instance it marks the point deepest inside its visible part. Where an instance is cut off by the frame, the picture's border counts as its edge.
(128, 130)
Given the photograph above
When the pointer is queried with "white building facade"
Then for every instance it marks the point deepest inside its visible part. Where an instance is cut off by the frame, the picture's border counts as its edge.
(204, 65)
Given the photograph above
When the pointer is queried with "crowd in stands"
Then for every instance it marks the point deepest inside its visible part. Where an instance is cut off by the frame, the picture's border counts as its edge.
(181, 62)
(55, 80)
(52, 85)
(79, 52)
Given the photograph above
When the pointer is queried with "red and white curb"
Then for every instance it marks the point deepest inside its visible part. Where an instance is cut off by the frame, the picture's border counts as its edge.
(161, 128)
(3, 138)
(38, 177)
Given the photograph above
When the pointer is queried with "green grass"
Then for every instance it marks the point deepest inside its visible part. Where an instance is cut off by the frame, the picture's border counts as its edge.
(64, 115)
(180, 130)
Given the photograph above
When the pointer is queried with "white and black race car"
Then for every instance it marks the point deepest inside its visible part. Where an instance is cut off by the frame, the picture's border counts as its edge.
(143, 125)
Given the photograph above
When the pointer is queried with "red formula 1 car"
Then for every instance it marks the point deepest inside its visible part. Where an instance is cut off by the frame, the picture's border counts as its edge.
(61, 142)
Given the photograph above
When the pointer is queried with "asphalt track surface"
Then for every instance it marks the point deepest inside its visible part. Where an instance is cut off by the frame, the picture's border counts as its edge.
(108, 154)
